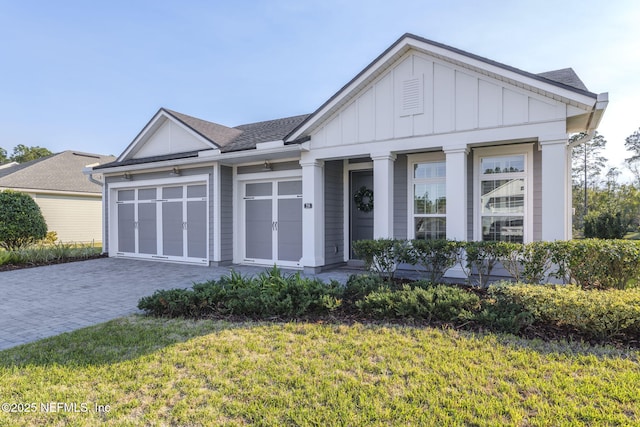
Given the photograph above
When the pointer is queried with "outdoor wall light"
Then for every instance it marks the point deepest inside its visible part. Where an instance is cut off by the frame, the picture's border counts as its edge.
(175, 172)
(126, 176)
(267, 166)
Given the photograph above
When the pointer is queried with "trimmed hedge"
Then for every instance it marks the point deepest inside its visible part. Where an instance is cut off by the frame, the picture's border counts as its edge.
(563, 310)
(441, 302)
(591, 313)
(269, 294)
(589, 263)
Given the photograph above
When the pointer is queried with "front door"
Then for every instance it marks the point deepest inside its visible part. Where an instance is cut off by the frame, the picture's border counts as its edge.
(360, 218)
(273, 222)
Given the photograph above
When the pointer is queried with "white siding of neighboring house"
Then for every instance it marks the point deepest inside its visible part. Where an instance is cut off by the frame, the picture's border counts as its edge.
(74, 218)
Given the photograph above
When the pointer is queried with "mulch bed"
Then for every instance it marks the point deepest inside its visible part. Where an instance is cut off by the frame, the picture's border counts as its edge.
(11, 267)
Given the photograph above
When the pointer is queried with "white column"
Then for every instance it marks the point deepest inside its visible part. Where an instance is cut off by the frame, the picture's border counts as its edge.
(556, 190)
(383, 195)
(217, 211)
(456, 188)
(312, 214)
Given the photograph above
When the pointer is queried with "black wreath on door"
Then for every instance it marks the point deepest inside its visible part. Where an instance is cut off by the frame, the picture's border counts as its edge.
(363, 199)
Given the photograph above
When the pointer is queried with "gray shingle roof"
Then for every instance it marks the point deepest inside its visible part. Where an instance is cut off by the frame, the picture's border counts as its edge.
(58, 172)
(267, 131)
(218, 134)
(566, 76)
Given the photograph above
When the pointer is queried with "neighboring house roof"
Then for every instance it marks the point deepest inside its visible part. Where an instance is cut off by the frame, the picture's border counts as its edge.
(565, 76)
(58, 172)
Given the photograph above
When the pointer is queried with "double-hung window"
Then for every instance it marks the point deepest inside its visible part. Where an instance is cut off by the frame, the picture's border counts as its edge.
(427, 188)
(503, 195)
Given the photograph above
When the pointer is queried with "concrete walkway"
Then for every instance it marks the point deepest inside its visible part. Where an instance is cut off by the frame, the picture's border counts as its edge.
(40, 302)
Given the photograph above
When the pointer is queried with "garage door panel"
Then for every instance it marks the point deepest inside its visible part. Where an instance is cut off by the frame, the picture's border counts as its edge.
(126, 228)
(147, 229)
(196, 229)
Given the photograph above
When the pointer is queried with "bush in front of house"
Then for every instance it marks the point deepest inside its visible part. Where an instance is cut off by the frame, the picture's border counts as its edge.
(21, 221)
(434, 256)
(430, 303)
(599, 314)
(590, 263)
(381, 256)
(269, 294)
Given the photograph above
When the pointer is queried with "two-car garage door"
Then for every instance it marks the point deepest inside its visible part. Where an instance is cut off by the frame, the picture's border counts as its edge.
(163, 222)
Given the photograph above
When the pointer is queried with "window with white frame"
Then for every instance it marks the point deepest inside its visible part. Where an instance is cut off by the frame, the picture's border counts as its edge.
(503, 197)
(428, 198)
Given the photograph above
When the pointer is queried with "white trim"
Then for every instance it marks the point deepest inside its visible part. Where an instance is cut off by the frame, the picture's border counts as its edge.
(159, 181)
(525, 149)
(412, 159)
(217, 212)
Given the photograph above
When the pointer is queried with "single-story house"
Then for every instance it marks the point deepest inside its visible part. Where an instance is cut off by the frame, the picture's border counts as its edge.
(71, 205)
(428, 141)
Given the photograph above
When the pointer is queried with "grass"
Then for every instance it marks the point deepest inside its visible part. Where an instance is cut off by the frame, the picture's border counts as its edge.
(182, 372)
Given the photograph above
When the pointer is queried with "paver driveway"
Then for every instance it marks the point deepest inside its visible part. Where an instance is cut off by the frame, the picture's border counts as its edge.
(45, 301)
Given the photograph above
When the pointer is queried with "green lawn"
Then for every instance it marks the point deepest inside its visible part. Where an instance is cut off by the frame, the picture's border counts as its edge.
(180, 372)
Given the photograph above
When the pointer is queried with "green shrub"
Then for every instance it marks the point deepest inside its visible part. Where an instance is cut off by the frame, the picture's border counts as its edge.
(592, 313)
(436, 256)
(536, 262)
(481, 258)
(603, 264)
(381, 256)
(170, 303)
(501, 313)
(269, 294)
(11, 258)
(441, 302)
(359, 286)
(604, 225)
(21, 222)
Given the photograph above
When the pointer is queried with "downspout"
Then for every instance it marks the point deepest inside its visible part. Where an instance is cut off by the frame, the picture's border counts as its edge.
(88, 170)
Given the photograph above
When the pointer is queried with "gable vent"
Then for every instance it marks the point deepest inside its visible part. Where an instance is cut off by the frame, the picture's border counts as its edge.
(412, 97)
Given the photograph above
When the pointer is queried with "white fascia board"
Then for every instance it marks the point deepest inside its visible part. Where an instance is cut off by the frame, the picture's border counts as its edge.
(224, 158)
(269, 144)
(209, 153)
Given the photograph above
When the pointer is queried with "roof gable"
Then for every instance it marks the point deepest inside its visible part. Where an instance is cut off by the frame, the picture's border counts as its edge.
(58, 172)
(170, 132)
(539, 84)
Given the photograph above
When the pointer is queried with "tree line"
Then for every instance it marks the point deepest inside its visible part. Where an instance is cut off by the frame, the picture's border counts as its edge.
(604, 207)
(22, 154)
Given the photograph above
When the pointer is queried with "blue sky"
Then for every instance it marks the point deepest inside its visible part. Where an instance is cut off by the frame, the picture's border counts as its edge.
(89, 75)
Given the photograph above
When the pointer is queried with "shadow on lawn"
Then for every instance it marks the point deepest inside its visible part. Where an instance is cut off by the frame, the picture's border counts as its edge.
(112, 342)
(135, 336)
